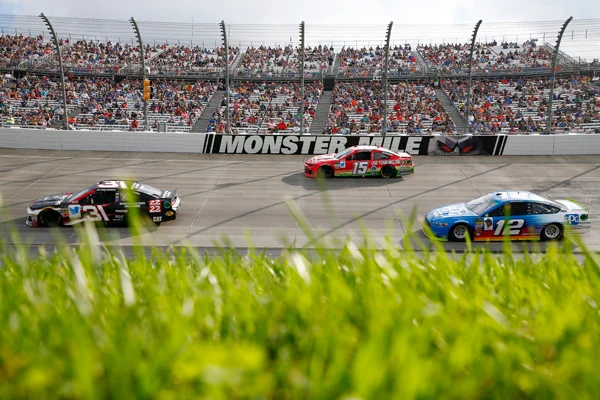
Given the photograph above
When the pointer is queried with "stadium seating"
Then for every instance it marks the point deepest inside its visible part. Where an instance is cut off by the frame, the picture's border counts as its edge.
(413, 108)
(263, 108)
(520, 105)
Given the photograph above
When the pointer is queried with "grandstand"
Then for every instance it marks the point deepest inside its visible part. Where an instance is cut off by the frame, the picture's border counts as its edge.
(344, 83)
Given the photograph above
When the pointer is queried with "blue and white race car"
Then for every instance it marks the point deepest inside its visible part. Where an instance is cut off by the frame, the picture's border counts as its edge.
(518, 215)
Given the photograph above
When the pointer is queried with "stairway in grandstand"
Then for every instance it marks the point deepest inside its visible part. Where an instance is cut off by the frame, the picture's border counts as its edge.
(322, 112)
(213, 105)
(457, 119)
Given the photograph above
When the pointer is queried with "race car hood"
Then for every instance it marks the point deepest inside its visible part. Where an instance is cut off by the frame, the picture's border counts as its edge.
(321, 158)
(53, 200)
(450, 211)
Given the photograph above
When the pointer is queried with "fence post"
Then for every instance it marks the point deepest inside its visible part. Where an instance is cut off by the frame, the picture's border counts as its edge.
(144, 72)
(549, 124)
(471, 73)
(302, 78)
(388, 33)
(60, 66)
(226, 59)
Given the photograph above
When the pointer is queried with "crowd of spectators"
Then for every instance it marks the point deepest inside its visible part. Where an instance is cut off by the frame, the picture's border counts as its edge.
(267, 107)
(102, 103)
(184, 60)
(487, 57)
(33, 101)
(521, 105)
(316, 59)
(14, 49)
(413, 108)
(264, 61)
(370, 61)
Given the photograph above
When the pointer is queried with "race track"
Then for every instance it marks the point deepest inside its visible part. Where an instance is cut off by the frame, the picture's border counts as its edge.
(235, 194)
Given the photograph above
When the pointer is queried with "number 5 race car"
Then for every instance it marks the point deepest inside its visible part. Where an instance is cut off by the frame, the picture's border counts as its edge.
(105, 202)
(360, 161)
(518, 215)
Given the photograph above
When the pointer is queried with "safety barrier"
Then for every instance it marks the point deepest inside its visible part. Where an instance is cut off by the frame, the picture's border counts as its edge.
(296, 144)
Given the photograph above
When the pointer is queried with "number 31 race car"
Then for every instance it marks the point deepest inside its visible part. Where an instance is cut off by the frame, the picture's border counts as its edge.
(518, 215)
(106, 202)
(360, 161)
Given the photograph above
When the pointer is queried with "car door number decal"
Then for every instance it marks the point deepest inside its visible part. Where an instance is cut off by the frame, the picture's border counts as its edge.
(95, 212)
(154, 206)
(513, 227)
(360, 168)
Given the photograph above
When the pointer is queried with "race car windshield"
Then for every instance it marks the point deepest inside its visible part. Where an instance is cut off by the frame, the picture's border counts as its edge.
(480, 205)
(343, 154)
(149, 190)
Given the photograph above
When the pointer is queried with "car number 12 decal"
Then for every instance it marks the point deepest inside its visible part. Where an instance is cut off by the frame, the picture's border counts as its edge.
(513, 228)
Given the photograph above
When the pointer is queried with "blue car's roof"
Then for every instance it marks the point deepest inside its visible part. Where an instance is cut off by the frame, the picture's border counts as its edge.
(509, 196)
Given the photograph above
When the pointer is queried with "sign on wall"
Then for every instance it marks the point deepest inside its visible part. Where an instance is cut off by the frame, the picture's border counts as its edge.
(294, 144)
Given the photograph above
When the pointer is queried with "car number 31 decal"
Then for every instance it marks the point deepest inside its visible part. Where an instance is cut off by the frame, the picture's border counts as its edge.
(512, 227)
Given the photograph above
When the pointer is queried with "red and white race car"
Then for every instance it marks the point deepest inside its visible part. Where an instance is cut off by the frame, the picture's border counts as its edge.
(360, 161)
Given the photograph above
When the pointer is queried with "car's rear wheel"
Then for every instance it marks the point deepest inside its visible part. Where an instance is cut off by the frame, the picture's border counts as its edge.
(459, 233)
(552, 232)
(325, 172)
(388, 172)
(49, 218)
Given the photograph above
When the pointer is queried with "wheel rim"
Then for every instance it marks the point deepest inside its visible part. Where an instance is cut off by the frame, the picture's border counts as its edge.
(552, 231)
(386, 173)
(460, 232)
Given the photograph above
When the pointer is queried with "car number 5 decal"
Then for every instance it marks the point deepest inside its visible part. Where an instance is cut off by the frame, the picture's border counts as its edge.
(360, 168)
(513, 227)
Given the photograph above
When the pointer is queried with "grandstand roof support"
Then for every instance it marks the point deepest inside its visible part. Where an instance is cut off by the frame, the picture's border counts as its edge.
(144, 71)
(473, 38)
(226, 60)
(60, 66)
(388, 33)
(302, 77)
(549, 123)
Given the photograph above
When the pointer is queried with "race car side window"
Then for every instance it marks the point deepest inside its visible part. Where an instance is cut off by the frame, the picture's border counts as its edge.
(539, 208)
(102, 197)
(363, 156)
(512, 209)
(378, 155)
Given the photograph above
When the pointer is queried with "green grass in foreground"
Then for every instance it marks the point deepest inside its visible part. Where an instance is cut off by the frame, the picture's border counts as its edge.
(354, 323)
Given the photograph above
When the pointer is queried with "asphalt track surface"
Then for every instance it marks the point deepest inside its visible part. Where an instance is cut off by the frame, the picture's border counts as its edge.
(236, 195)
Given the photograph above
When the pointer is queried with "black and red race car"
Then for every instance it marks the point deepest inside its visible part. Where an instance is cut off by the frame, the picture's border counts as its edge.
(107, 202)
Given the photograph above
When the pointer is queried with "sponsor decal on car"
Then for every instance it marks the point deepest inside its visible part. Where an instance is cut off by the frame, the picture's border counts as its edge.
(572, 219)
(74, 211)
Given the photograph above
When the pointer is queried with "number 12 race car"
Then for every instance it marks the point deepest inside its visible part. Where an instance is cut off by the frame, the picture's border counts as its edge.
(360, 161)
(518, 215)
(105, 202)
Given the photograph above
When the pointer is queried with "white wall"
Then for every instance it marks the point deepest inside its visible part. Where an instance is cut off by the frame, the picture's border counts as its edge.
(194, 142)
(101, 140)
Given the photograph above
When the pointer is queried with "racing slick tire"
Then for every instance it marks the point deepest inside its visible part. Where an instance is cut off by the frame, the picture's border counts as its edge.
(325, 172)
(388, 172)
(552, 232)
(459, 233)
(49, 218)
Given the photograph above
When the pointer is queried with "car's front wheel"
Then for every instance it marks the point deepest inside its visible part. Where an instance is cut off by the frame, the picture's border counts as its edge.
(459, 233)
(388, 172)
(49, 218)
(325, 172)
(552, 232)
